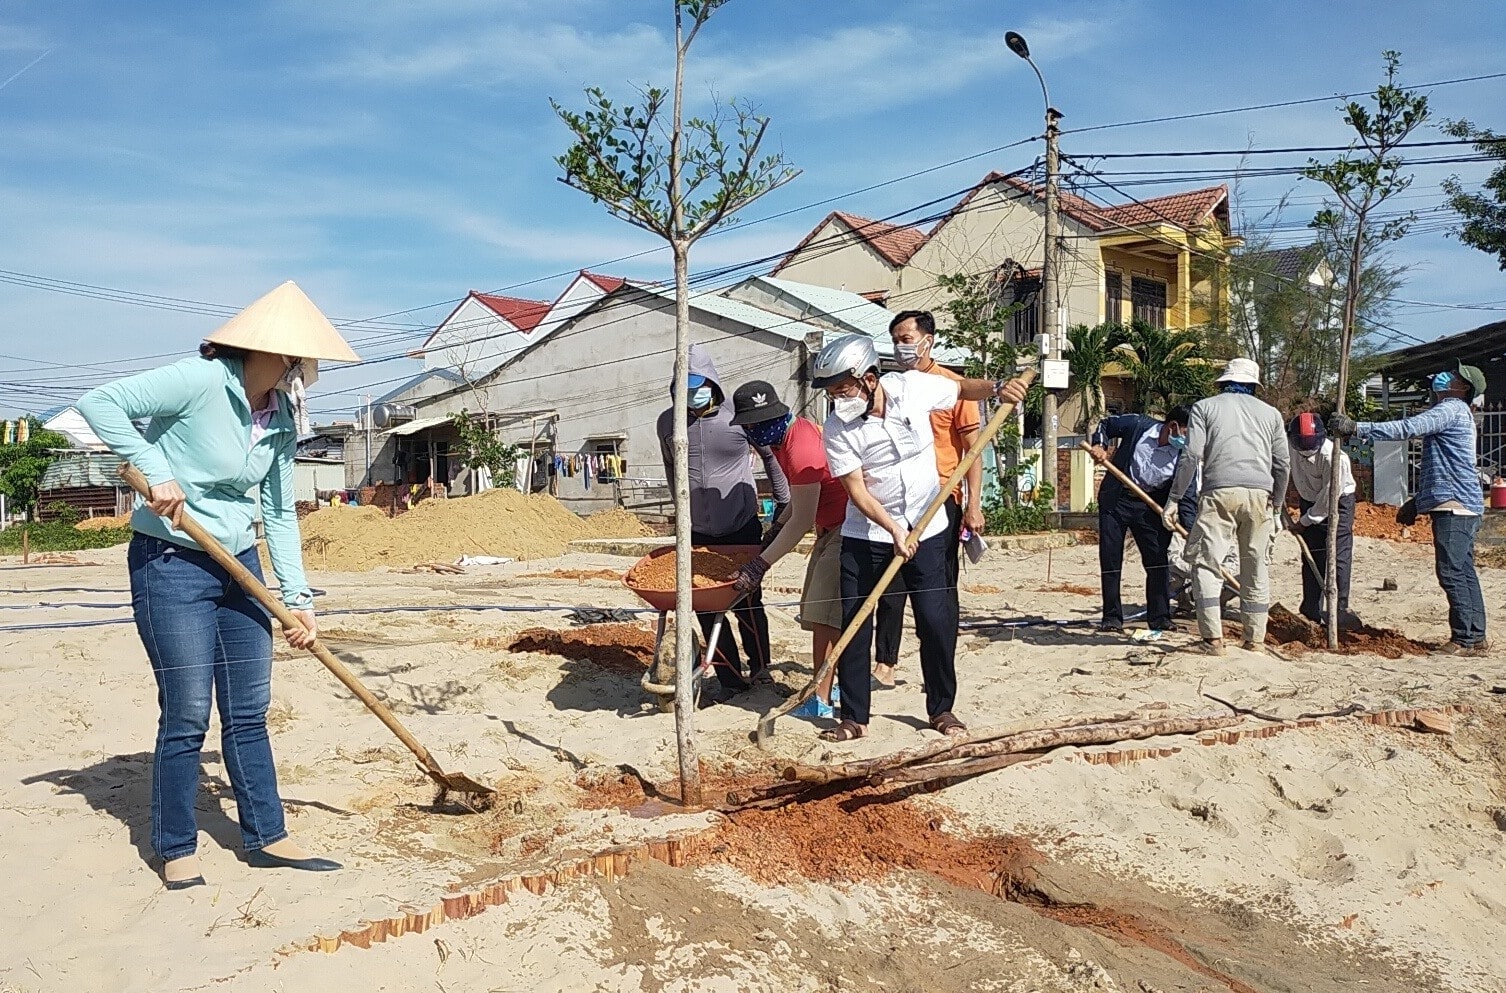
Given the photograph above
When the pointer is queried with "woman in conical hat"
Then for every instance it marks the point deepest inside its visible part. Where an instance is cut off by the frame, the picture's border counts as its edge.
(221, 425)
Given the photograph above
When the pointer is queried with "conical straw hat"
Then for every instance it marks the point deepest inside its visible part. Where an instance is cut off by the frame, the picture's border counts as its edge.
(285, 322)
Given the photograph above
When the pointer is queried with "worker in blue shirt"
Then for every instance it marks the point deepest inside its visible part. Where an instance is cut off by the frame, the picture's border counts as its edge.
(1450, 492)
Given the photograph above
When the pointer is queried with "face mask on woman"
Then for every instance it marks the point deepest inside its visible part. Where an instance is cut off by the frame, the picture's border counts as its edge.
(1442, 381)
(291, 383)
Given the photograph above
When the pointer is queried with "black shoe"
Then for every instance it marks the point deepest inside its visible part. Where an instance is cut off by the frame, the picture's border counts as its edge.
(1110, 627)
(259, 859)
(183, 884)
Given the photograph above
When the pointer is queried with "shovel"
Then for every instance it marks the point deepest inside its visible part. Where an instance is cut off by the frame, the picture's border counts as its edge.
(766, 725)
(1280, 613)
(458, 782)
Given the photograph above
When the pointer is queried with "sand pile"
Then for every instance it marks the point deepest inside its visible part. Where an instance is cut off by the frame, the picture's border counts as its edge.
(104, 523)
(497, 522)
(1295, 637)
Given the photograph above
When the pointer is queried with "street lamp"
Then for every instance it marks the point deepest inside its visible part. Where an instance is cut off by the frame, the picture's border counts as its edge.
(1051, 373)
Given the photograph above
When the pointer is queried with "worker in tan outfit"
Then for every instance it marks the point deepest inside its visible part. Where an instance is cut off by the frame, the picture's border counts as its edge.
(1239, 443)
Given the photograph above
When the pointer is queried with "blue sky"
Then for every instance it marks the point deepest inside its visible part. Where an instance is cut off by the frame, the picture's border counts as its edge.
(392, 155)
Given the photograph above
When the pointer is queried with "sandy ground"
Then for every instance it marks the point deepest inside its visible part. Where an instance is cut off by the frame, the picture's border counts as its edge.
(1340, 857)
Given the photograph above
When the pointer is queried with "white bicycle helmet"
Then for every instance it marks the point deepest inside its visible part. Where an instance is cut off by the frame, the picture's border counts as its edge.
(850, 355)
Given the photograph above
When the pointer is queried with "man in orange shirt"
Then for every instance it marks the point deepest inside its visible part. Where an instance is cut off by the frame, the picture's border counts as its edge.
(914, 335)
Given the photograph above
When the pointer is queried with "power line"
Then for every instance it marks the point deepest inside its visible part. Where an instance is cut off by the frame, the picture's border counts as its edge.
(1273, 106)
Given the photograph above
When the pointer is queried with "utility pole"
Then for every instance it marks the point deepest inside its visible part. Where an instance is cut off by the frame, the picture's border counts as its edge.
(1050, 303)
(1053, 375)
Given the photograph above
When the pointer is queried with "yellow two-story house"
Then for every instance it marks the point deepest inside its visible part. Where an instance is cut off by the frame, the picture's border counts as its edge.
(1162, 260)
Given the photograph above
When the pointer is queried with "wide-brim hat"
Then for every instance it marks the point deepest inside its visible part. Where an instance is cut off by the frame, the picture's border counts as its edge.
(285, 322)
(1474, 377)
(1241, 371)
(756, 402)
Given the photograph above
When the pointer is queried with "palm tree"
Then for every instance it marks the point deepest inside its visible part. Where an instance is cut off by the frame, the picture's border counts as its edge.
(1165, 365)
(1090, 350)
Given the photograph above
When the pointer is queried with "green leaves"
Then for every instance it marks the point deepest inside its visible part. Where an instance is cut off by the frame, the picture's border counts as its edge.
(677, 179)
(481, 448)
(1483, 215)
(22, 466)
(1167, 366)
(1090, 350)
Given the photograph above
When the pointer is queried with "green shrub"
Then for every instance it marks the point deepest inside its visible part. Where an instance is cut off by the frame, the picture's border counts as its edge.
(1025, 518)
(60, 536)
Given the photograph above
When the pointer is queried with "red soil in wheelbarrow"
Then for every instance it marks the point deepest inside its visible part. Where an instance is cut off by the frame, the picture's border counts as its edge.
(708, 568)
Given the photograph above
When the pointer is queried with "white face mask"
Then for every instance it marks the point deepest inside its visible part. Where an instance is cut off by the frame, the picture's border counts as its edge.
(849, 409)
(907, 355)
(292, 383)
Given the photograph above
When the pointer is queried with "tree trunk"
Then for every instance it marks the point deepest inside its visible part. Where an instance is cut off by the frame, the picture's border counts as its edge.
(685, 652)
(1346, 341)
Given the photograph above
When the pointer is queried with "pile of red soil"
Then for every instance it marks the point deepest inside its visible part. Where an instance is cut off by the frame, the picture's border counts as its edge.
(625, 649)
(708, 568)
(1376, 520)
(857, 837)
(1294, 638)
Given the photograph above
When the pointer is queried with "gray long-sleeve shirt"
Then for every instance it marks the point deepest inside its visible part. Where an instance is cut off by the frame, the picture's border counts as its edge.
(1237, 441)
(723, 495)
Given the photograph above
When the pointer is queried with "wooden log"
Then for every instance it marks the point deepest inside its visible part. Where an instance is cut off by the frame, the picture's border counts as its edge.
(951, 770)
(1091, 734)
(867, 767)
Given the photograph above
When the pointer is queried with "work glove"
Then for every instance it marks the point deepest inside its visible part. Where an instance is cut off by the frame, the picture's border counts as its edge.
(750, 576)
(1342, 425)
(1169, 517)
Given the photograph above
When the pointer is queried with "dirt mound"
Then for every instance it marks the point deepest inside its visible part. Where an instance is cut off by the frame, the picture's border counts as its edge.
(1076, 589)
(104, 523)
(854, 838)
(1294, 638)
(707, 569)
(1376, 520)
(577, 574)
(498, 522)
(625, 649)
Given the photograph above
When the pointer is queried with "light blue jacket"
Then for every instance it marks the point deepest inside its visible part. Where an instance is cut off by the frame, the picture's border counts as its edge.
(200, 435)
(1447, 431)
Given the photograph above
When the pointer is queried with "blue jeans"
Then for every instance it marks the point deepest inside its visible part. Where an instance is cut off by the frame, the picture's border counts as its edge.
(1454, 562)
(205, 636)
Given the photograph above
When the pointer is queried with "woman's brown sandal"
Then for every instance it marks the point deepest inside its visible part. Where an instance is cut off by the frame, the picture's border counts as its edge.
(947, 724)
(845, 731)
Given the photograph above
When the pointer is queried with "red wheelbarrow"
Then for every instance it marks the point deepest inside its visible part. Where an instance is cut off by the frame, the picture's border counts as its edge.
(718, 599)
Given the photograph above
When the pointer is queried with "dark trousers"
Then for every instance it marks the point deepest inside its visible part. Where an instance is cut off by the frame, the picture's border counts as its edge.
(890, 617)
(1316, 540)
(933, 600)
(1454, 561)
(1131, 514)
(752, 621)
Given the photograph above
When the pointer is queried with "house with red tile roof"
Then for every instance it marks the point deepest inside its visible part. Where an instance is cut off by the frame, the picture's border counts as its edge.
(1161, 259)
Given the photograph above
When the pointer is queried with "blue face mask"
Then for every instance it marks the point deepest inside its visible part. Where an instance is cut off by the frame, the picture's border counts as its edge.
(1178, 442)
(1442, 381)
(700, 398)
(767, 433)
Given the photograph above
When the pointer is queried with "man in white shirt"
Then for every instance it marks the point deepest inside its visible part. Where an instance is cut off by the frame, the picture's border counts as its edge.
(879, 444)
(1312, 474)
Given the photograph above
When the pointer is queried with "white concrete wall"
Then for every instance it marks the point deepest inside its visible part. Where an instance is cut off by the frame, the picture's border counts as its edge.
(608, 375)
(311, 477)
(839, 259)
(474, 340)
